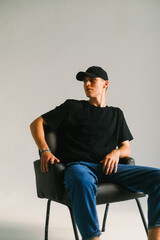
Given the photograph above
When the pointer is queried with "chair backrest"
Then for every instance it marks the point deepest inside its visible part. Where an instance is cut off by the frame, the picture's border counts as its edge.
(51, 139)
(50, 185)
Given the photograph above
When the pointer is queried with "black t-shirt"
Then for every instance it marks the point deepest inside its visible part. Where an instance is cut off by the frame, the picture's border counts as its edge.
(86, 132)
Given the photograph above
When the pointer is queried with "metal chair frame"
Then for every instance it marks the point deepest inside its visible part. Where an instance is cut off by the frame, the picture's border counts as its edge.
(103, 223)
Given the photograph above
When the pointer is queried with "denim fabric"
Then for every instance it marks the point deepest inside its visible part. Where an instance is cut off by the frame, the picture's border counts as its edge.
(81, 180)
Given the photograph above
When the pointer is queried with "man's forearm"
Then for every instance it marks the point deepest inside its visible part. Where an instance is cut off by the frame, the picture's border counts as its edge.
(124, 149)
(37, 131)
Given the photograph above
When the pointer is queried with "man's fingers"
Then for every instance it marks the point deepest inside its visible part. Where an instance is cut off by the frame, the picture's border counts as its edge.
(111, 168)
(44, 166)
(107, 167)
(115, 167)
(45, 163)
(57, 160)
(104, 163)
(110, 162)
(107, 170)
(54, 159)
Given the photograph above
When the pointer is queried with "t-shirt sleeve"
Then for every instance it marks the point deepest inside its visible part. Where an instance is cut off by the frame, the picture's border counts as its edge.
(57, 117)
(124, 132)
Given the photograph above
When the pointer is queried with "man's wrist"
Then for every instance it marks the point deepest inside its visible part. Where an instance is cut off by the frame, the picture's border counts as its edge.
(119, 151)
(45, 150)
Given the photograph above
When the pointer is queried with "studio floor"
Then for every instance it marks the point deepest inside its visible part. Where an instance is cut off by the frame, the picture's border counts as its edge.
(123, 223)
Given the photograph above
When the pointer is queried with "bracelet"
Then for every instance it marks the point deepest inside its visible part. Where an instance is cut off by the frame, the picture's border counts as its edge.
(45, 151)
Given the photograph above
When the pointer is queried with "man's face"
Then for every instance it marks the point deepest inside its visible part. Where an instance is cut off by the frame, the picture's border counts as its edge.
(94, 87)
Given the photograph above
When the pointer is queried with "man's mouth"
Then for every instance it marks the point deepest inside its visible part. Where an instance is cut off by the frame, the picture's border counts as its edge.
(89, 89)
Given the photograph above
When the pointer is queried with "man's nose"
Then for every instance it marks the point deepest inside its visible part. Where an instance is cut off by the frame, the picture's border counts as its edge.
(88, 82)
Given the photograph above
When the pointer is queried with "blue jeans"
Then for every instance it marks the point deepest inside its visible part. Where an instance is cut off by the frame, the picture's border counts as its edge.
(81, 180)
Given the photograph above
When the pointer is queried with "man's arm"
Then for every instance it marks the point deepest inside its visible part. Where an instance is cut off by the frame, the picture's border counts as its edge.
(37, 131)
(112, 159)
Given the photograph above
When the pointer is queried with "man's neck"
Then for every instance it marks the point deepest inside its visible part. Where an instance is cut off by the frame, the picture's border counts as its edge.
(98, 103)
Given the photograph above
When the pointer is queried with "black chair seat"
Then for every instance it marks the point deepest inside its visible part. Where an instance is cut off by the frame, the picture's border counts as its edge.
(110, 192)
(55, 191)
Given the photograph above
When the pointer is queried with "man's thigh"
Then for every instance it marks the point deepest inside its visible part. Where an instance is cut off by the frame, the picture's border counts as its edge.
(81, 171)
(133, 177)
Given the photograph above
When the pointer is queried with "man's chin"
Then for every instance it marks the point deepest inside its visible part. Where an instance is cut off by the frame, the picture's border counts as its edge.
(88, 94)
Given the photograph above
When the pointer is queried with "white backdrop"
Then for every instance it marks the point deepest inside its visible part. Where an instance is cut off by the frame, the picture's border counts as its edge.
(43, 44)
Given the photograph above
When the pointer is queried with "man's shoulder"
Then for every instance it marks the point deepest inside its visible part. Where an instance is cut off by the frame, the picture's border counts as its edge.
(116, 112)
(114, 109)
(74, 102)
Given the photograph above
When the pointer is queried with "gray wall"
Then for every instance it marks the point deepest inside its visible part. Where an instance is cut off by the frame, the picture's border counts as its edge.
(43, 44)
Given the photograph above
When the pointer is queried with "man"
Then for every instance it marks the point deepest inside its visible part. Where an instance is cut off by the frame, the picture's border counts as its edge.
(92, 137)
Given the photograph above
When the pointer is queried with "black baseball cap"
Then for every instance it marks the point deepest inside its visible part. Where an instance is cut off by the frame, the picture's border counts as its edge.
(93, 71)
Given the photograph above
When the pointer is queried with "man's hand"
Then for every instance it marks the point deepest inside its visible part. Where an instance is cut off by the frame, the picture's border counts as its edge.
(46, 158)
(111, 161)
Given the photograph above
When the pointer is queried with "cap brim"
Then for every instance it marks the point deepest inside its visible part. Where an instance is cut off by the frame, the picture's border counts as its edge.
(80, 76)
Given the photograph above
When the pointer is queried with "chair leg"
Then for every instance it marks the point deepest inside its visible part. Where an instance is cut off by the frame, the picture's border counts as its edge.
(73, 224)
(142, 215)
(47, 220)
(105, 217)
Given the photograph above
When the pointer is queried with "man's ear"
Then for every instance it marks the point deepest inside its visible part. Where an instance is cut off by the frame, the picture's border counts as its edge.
(106, 83)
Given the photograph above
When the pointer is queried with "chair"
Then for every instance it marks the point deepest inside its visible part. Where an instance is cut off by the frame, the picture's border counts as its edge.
(106, 192)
